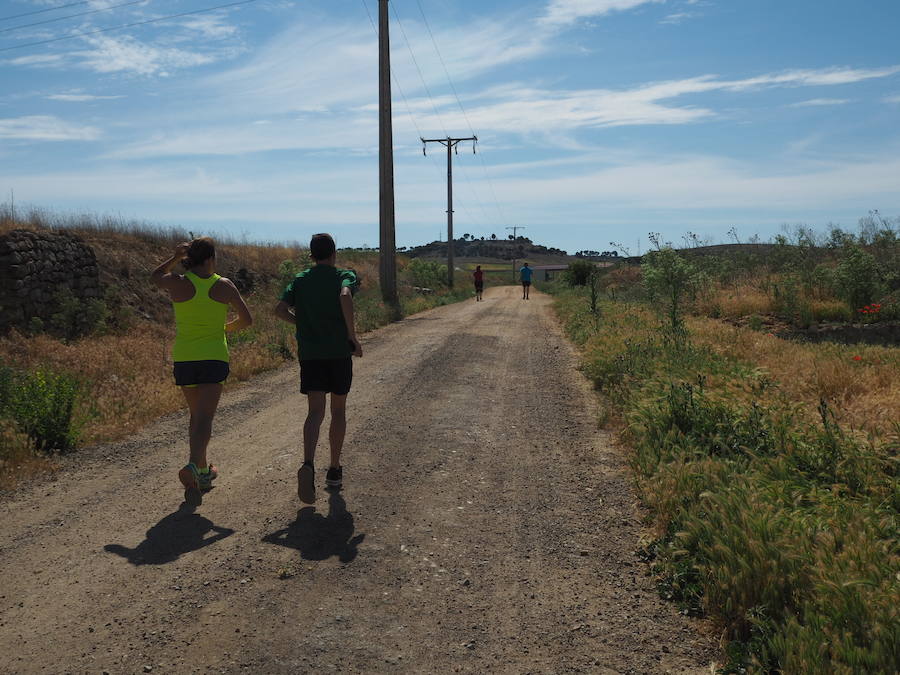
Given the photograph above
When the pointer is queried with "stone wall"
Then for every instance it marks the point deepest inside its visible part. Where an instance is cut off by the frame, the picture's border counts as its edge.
(35, 267)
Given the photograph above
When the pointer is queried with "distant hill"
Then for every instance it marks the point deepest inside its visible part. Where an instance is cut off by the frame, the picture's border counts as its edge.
(502, 249)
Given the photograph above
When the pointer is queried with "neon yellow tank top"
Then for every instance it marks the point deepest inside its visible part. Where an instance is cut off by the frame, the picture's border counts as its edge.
(200, 324)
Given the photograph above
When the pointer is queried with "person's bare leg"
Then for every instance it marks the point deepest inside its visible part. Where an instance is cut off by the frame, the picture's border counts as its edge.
(202, 401)
(338, 427)
(316, 401)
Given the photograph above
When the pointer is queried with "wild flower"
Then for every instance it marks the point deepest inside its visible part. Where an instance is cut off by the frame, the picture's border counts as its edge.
(857, 358)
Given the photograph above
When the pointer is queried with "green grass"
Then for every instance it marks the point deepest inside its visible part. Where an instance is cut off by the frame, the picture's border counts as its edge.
(781, 530)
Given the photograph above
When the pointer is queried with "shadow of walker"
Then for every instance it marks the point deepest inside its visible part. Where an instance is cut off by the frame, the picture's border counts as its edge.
(179, 532)
(319, 537)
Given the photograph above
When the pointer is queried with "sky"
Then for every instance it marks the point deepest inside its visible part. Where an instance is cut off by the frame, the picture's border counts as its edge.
(598, 121)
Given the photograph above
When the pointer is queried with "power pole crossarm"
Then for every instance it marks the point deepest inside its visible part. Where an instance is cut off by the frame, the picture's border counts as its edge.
(450, 144)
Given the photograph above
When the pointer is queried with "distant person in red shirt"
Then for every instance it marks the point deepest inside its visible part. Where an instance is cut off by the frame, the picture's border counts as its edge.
(478, 275)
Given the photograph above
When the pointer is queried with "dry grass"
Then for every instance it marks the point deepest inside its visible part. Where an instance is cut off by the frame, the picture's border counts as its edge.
(768, 517)
(734, 302)
(864, 392)
(18, 460)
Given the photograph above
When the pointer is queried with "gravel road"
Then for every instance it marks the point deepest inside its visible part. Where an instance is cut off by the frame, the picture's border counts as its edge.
(485, 525)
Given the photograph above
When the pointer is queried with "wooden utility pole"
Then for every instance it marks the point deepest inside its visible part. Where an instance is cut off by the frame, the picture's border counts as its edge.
(387, 240)
(450, 144)
(515, 228)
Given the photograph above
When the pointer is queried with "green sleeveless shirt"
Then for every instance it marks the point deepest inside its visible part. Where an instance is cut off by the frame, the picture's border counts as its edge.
(200, 324)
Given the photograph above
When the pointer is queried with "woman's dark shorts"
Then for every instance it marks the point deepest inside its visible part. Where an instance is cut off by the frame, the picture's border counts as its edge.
(479, 285)
(526, 284)
(333, 376)
(192, 373)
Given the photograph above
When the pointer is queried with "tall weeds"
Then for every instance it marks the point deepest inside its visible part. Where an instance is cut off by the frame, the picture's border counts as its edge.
(774, 510)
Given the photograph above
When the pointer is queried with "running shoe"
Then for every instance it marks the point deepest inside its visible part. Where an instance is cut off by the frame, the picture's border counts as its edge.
(306, 483)
(190, 478)
(206, 479)
(335, 477)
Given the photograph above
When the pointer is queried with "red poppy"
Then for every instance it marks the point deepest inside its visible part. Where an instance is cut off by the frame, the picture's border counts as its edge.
(857, 358)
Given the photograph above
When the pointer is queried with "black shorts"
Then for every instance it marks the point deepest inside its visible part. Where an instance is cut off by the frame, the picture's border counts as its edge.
(526, 283)
(333, 376)
(479, 285)
(192, 373)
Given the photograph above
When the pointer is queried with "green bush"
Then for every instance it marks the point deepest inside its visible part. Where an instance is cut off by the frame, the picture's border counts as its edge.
(44, 405)
(288, 269)
(427, 273)
(857, 277)
(579, 273)
(671, 281)
(75, 317)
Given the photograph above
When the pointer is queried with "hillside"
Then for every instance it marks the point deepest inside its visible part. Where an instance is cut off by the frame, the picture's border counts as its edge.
(498, 249)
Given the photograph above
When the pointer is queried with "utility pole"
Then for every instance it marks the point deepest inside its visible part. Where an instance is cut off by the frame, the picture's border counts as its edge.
(387, 239)
(515, 228)
(450, 144)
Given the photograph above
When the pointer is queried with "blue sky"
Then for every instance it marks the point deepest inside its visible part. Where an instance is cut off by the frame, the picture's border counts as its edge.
(598, 120)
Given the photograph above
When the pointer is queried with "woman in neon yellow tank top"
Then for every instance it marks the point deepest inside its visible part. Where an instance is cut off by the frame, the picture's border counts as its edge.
(201, 299)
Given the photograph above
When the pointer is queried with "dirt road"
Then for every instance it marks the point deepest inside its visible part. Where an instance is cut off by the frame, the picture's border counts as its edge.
(485, 526)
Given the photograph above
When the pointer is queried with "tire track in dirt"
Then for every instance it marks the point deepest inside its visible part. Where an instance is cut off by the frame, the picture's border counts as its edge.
(485, 525)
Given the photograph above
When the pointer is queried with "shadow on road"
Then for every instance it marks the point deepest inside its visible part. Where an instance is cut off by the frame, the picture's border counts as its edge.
(319, 537)
(179, 532)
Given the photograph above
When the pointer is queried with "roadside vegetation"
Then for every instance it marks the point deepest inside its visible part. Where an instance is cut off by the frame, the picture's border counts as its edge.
(100, 370)
(769, 468)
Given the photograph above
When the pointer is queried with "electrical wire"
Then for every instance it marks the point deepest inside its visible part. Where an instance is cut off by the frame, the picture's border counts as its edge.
(71, 16)
(44, 11)
(438, 114)
(127, 25)
(459, 102)
(412, 118)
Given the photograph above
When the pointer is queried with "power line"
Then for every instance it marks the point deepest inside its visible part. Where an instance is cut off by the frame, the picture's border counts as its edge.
(410, 113)
(71, 16)
(459, 102)
(43, 11)
(438, 114)
(128, 25)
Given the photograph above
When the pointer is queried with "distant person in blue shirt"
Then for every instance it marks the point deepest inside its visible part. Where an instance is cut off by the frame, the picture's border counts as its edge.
(525, 275)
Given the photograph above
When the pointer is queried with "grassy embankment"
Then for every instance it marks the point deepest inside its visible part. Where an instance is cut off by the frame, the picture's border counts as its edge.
(59, 391)
(769, 470)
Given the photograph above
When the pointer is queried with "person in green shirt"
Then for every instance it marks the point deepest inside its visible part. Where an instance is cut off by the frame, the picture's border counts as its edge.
(319, 302)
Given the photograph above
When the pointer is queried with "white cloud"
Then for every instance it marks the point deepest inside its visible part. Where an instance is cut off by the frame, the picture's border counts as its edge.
(814, 102)
(36, 60)
(677, 17)
(289, 73)
(45, 128)
(78, 98)
(210, 26)
(892, 99)
(812, 78)
(565, 12)
(320, 121)
(125, 54)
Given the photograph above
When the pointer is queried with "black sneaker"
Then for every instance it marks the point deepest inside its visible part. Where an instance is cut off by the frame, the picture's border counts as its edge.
(306, 484)
(334, 477)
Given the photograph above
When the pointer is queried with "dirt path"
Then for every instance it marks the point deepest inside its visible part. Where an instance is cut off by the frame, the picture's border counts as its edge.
(485, 526)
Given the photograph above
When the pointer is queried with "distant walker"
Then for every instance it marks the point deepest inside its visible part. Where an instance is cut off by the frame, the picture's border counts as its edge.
(525, 274)
(478, 276)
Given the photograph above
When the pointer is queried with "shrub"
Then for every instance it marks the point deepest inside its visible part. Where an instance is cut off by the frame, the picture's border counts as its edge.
(75, 317)
(427, 273)
(43, 404)
(671, 281)
(857, 277)
(580, 273)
